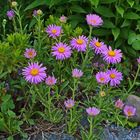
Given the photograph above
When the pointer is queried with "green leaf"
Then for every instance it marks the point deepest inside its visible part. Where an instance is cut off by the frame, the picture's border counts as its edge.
(94, 2)
(107, 1)
(120, 10)
(131, 37)
(64, 85)
(2, 124)
(104, 11)
(130, 2)
(115, 32)
(3, 74)
(51, 3)
(131, 15)
(108, 24)
(75, 19)
(118, 43)
(101, 32)
(126, 23)
(10, 138)
(11, 114)
(77, 9)
(124, 33)
(130, 51)
(138, 37)
(136, 44)
(37, 3)
(137, 7)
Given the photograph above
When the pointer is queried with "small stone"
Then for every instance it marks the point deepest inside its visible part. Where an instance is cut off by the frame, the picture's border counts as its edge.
(134, 101)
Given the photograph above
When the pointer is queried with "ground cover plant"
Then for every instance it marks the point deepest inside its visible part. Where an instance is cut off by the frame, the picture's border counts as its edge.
(61, 75)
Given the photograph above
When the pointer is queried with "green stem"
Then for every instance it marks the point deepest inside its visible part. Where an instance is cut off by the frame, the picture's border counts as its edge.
(134, 79)
(19, 20)
(14, 24)
(70, 123)
(74, 88)
(87, 52)
(49, 103)
(59, 70)
(39, 33)
(91, 127)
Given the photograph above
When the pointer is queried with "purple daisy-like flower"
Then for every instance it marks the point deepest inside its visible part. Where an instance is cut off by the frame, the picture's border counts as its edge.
(115, 77)
(93, 111)
(69, 103)
(34, 73)
(138, 60)
(10, 14)
(54, 31)
(112, 56)
(129, 111)
(61, 51)
(76, 73)
(102, 77)
(119, 104)
(94, 20)
(50, 80)
(30, 53)
(97, 46)
(79, 43)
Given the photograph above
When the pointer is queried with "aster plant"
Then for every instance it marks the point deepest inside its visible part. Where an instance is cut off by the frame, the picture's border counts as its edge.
(63, 76)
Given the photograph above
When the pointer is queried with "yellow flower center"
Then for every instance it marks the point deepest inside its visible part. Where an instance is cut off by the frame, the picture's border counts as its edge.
(112, 76)
(61, 49)
(102, 79)
(79, 41)
(54, 31)
(111, 53)
(93, 21)
(30, 53)
(129, 113)
(98, 44)
(34, 72)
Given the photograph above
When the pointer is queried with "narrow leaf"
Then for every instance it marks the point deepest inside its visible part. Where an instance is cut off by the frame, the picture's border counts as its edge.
(120, 10)
(115, 32)
(130, 2)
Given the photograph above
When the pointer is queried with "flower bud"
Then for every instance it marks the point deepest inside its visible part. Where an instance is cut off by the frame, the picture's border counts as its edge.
(39, 12)
(102, 94)
(63, 19)
(14, 4)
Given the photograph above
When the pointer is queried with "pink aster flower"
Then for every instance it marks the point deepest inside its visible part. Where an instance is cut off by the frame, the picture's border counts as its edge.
(102, 77)
(97, 46)
(79, 43)
(112, 56)
(94, 20)
(138, 60)
(76, 73)
(115, 77)
(119, 104)
(69, 103)
(93, 111)
(54, 31)
(50, 80)
(129, 111)
(34, 73)
(63, 19)
(61, 51)
(30, 53)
